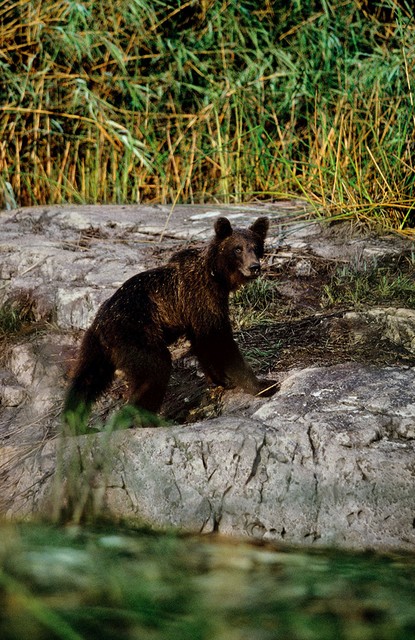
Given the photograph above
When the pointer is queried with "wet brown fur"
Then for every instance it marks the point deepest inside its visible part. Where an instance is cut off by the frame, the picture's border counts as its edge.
(189, 296)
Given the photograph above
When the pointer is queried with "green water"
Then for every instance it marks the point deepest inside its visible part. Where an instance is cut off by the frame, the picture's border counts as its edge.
(76, 583)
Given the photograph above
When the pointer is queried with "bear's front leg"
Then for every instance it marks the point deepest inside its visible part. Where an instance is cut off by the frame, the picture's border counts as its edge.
(222, 362)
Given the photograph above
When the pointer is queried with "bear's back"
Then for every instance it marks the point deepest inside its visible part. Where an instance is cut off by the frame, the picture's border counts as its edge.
(163, 302)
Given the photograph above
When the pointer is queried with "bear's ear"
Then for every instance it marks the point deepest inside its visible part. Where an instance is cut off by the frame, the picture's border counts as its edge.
(260, 227)
(223, 228)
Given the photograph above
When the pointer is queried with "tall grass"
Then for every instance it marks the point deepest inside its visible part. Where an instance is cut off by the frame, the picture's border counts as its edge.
(227, 100)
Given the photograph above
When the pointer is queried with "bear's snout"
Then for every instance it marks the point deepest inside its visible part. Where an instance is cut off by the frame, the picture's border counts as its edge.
(255, 269)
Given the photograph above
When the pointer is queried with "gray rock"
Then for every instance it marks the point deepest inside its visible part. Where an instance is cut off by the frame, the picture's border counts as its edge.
(396, 325)
(329, 461)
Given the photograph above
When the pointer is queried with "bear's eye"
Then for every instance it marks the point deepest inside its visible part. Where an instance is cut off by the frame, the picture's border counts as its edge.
(238, 250)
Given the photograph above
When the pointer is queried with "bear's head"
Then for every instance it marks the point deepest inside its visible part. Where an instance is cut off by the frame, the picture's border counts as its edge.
(235, 253)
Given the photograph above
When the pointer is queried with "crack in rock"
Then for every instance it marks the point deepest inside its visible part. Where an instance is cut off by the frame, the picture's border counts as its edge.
(256, 461)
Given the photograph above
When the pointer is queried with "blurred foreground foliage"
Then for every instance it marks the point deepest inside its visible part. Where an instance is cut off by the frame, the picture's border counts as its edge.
(76, 583)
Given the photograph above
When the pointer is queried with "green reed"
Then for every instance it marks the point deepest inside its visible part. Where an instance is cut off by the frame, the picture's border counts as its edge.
(210, 100)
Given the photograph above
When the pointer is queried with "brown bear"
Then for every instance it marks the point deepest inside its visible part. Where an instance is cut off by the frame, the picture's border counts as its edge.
(189, 296)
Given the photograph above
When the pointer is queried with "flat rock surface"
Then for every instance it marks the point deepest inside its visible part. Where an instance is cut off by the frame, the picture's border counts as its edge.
(328, 461)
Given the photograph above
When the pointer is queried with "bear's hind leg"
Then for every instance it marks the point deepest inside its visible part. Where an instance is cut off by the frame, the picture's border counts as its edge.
(147, 371)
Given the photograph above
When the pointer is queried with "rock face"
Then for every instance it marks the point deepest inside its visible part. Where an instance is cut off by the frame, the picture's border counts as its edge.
(329, 460)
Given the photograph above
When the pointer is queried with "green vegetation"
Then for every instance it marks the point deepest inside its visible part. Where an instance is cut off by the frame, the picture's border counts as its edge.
(257, 303)
(74, 584)
(370, 283)
(225, 100)
(76, 422)
(10, 321)
(16, 317)
(255, 306)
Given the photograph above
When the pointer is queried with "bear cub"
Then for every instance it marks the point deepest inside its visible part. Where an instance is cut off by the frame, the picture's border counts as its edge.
(189, 296)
